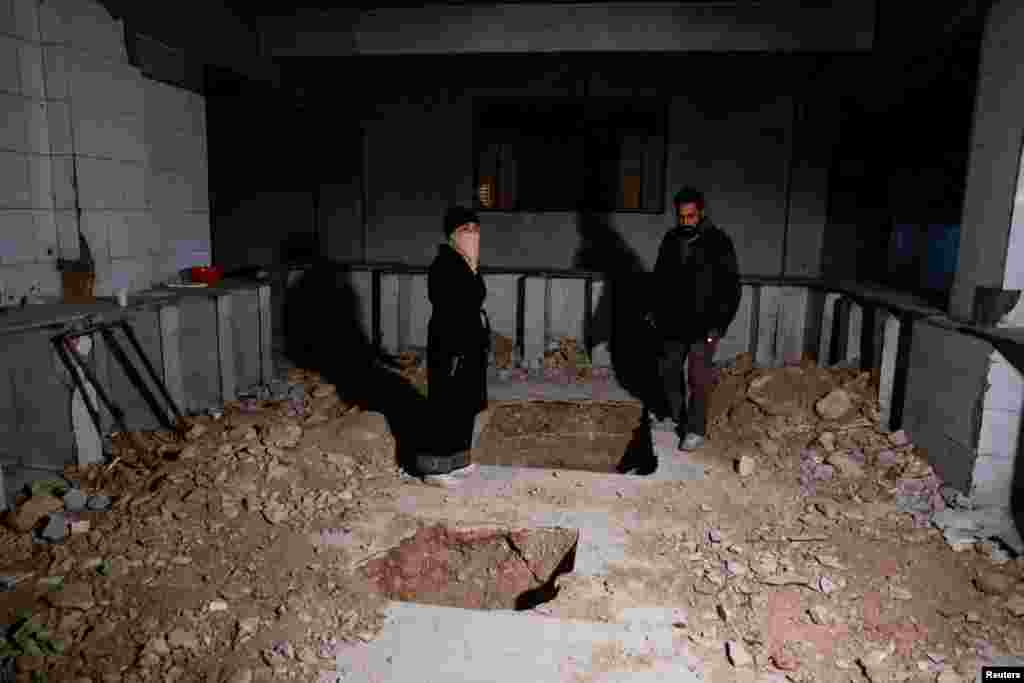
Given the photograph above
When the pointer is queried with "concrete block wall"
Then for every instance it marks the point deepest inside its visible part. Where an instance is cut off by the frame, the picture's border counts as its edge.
(203, 347)
(999, 434)
(85, 130)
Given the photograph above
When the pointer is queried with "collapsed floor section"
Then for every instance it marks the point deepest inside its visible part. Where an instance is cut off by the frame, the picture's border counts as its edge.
(475, 568)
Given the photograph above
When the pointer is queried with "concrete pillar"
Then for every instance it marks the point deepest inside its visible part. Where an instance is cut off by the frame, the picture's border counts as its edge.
(170, 352)
(766, 351)
(266, 337)
(88, 443)
(887, 381)
(502, 303)
(855, 325)
(827, 321)
(993, 476)
(565, 309)
(404, 310)
(534, 316)
(601, 326)
(990, 250)
(738, 338)
(389, 312)
(792, 324)
(361, 282)
(419, 312)
(225, 349)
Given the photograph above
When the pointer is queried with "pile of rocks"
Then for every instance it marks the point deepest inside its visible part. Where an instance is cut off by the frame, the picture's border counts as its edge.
(201, 568)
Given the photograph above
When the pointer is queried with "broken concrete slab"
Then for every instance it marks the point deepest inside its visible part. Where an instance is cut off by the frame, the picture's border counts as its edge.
(434, 644)
(979, 524)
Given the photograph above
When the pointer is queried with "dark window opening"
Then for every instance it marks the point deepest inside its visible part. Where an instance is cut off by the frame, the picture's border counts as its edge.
(563, 154)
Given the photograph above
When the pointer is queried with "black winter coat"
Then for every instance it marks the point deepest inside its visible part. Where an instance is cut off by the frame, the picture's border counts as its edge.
(696, 284)
(457, 325)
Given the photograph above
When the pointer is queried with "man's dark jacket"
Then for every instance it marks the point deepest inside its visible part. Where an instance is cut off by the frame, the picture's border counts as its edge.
(696, 283)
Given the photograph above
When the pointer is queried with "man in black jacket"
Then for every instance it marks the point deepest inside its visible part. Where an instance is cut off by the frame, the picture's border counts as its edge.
(697, 293)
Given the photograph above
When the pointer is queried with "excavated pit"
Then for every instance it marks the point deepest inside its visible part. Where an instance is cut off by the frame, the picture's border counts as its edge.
(576, 435)
(475, 568)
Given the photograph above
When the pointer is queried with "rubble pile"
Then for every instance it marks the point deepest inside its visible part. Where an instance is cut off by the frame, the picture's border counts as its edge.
(193, 561)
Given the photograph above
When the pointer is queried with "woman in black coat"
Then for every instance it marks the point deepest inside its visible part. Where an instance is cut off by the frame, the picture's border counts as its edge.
(458, 340)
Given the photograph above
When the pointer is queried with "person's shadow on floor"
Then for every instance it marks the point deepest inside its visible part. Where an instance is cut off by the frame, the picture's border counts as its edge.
(344, 355)
(639, 456)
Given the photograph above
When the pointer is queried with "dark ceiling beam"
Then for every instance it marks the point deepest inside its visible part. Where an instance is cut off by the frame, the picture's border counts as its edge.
(653, 27)
(201, 32)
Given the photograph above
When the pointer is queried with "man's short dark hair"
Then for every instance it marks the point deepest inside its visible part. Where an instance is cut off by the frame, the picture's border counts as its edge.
(456, 216)
(688, 195)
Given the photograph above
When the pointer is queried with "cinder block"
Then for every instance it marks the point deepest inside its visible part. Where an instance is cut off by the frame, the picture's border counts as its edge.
(737, 337)
(999, 433)
(108, 184)
(25, 18)
(10, 64)
(15, 114)
(133, 234)
(106, 132)
(887, 379)
(17, 280)
(827, 321)
(25, 236)
(58, 62)
(404, 309)
(173, 190)
(534, 315)
(30, 70)
(389, 312)
(138, 414)
(58, 122)
(793, 324)
(132, 273)
(62, 173)
(1006, 385)
(43, 437)
(992, 480)
(40, 169)
(67, 234)
(853, 345)
(502, 301)
(565, 309)
(170, 353)
(419, 312)
(15, 183)
(200, 371)
(84, 24)
(245, 330)
(361, 282)
(601, 323)
(767, 351)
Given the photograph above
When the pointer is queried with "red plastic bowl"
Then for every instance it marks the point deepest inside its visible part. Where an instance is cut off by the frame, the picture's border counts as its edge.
(211, 275)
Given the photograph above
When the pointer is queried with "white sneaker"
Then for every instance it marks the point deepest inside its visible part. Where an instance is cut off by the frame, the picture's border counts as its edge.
(666, 425)
(450, 478)
(691, 442)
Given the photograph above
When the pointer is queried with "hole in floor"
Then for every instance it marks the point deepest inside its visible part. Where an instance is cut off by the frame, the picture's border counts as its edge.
(475, 568)
(583, 435)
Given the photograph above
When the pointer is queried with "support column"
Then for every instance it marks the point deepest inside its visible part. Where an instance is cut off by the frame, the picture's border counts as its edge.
(767, 353)
(855, 325)
(887, 381)
(389, 312)
(828, 318)
(225, 349)
(534, 317)
(170, 352)
(266, 337)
